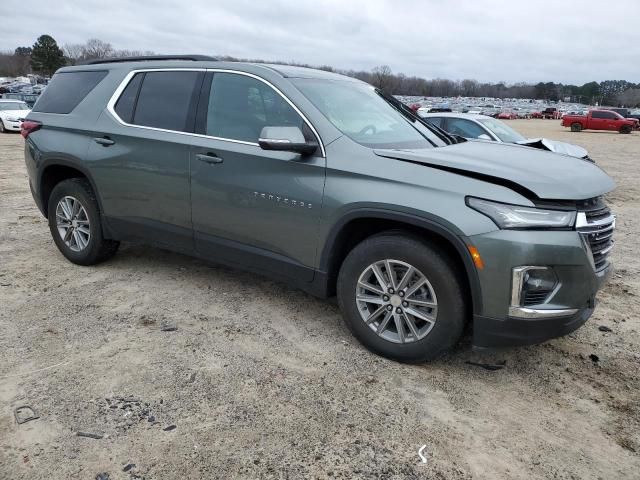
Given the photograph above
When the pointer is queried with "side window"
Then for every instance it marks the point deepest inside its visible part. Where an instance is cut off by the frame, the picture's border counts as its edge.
(464, 128)
(240, 106)
(127, 101)
(436, 121)
(597, 115)
(66, 90)
(610, 115)
(166, 100)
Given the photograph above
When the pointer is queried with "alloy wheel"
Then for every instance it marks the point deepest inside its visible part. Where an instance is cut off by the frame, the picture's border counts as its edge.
(73, 224)
(397, 301)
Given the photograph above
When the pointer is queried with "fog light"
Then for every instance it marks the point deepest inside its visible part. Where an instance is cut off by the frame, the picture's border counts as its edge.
(539, 279)
(532, 285)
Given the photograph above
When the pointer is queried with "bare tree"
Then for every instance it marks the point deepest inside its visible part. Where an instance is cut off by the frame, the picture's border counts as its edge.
(630, 97)
(132, 53)
(383, 78)
(96, 48)
(74, 52)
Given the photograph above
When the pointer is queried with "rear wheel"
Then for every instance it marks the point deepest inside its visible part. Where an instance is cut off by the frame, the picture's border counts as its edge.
(625, 129)
(2, 129)
(75, 223)
(402, 298)
(576, 127)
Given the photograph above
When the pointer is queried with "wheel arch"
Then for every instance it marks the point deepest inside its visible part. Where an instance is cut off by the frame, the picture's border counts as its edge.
(56, 170)
(358, 225)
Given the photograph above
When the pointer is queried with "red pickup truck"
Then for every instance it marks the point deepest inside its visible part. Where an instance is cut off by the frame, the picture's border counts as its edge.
(600, 120)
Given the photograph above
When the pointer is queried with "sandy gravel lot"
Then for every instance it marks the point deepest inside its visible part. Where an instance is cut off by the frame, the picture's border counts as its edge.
(263, 381)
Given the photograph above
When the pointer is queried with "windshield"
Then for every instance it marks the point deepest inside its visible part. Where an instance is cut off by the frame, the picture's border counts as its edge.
(13, 106)
(501, 130)
(363, 115)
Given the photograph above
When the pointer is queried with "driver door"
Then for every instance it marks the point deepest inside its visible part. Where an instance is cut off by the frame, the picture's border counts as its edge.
(256, 208)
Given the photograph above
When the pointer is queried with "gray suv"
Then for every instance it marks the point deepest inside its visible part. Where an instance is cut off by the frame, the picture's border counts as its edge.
(326, 183)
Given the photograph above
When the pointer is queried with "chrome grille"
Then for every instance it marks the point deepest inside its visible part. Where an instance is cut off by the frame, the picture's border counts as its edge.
(596, 227)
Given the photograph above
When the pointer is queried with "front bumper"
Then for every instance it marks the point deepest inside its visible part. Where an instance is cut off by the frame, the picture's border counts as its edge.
(510, 332)
(13, 126)
(569, 307)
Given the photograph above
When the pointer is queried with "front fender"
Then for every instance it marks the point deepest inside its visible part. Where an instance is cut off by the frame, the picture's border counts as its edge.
(437, 226)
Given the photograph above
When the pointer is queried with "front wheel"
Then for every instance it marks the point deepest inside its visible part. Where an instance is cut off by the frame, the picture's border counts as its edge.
(625, 129)
(576, 127)
(75, 223)
(2, 129)
(402, 298)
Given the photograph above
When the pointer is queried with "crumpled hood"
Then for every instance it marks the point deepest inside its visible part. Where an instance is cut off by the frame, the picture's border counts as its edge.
(557, 147)
(545, 174)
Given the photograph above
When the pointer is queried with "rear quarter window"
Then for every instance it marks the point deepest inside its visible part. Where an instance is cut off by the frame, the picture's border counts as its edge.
(127, 102)
(66, 90)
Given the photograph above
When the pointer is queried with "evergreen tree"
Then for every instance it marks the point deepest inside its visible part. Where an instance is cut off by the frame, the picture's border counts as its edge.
(46, 56)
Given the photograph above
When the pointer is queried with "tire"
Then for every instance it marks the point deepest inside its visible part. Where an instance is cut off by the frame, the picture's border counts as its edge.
(444, 287)
(576, 127)
(625, 129)
(83, 249)
(2, 129)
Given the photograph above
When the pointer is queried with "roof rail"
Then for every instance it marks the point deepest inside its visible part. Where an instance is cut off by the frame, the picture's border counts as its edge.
(148, 58)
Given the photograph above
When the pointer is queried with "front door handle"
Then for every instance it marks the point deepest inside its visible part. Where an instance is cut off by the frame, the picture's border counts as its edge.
(210, 158)
(104, 141)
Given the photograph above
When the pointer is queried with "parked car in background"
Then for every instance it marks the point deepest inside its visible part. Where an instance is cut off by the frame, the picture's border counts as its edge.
(11, 114)
(28, 98)
(550, 113)
(481, 127)
(507, 115)
(439, 108)
(599, 120)
(623, 112)
(635, 114)
(330, 184)
(626, 113)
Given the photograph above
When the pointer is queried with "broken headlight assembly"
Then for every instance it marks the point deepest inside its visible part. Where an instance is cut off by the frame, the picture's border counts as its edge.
(508, 216)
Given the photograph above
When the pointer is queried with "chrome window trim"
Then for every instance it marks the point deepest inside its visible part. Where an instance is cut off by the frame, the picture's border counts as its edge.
(118, 92)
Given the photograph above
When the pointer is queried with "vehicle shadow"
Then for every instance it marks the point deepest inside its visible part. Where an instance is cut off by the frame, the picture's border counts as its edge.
(309, 316)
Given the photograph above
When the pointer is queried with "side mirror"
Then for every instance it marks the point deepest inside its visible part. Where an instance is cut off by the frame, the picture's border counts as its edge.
(286, 139)
(484, 136)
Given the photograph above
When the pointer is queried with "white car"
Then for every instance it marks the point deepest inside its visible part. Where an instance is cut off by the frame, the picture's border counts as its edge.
(481, 127)
(11, 114)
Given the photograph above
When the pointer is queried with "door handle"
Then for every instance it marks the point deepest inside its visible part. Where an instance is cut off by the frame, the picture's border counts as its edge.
(104, 141)
(210, 158)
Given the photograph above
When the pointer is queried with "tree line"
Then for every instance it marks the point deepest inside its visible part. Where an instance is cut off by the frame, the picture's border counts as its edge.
(45, 57)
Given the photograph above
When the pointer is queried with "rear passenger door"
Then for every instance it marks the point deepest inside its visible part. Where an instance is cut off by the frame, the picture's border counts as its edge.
(253, 207)
(598, 121)
(140, 157)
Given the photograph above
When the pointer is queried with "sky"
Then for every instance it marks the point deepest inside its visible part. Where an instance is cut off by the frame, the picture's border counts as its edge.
(486, 40)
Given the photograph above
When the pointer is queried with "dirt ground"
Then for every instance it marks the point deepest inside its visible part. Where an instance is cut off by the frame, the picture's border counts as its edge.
(263, 381)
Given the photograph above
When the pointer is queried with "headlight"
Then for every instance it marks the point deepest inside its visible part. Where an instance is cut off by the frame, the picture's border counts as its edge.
(11, 119)
(516, 216)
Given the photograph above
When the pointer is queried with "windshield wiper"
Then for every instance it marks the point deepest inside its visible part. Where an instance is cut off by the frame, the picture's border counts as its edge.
(413, 117)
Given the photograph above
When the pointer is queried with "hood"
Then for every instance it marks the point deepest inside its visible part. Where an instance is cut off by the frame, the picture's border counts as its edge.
(15, 113)
(555, 146)
(532, 172)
